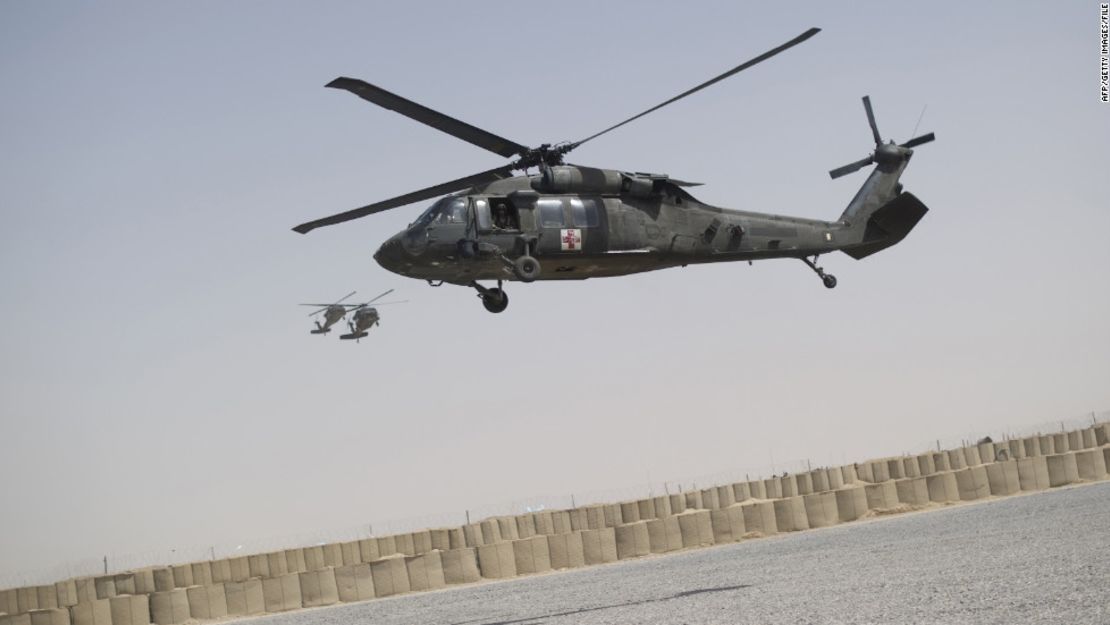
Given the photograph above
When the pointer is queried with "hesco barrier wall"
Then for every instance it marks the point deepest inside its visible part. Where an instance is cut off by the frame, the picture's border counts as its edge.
(527, 544)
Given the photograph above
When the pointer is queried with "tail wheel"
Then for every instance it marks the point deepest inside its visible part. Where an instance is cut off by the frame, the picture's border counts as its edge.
(495, 300)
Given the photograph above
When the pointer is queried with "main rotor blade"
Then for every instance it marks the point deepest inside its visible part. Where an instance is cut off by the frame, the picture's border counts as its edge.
(871, 120)
(916, 141)
(378, 297)
(490, 175)
(345, 297)
(425, 115)
(739, 68)
(316, 312)
(404, 301)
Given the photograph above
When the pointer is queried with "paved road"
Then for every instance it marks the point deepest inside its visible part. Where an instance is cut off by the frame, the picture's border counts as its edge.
(1043, 558)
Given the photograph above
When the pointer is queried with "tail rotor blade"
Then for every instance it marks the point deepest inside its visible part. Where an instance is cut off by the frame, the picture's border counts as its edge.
(850, 168)
(916, 141)
(871, 120)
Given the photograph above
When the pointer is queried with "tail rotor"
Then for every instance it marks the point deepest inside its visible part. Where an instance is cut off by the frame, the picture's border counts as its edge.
(884, 152)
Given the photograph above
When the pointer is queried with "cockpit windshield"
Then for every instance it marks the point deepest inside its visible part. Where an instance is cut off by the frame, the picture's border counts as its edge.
(450, 209)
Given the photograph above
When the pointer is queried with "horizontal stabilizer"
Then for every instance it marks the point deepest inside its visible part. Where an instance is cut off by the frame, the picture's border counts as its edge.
(888, 225)
(355, 335)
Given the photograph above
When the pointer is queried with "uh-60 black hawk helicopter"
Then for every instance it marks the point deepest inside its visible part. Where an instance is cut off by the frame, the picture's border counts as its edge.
(568, 222)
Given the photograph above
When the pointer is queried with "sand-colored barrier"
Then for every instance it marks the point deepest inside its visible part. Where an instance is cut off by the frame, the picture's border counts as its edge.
(579, 521)
(240, 569)
(819, 479)
(727, 524)
(351, 553)
(566, 551)
(821, 510)
(163, 579)
(368, 549)
(1060, 443)
(645, 509)
(790, 514)
(971, 456)
(142, 582)
(46, 597)
(788, 485)
(851, 503)
(354, 582)
(297, 560)
(506, 528)
(895, 469)
(201, 571)
(880, 471)
(757, 489)
(333, 554)
(1031, 446)
(741, 492)
(49, 616)
(425, 571)
(391, 576)
(772, 488)
(956, 459)
(1016, 448)
(441, 539)
(759, 516)
(246, 598)
(15, 619)
(220, 569)
(881, 496)
(525, 525)
(972, 483)
(678, 503)
(1046, 444)
(1090, 464)
(282, 593)
(1002, 477)
(709, 499)
(67, 593)
(99, 612)
(544, 523)
(1102, 434)
(630, 512)
(986, 452)
(664, 535)
(1106, 456)
(9, 604)
(940, 462)
(595, 517)
(1032, 473)
(835, 478)
(1089, 438)
(804, 483)
(912, 490)
(910, 467)
(207, 602)
(318, 588)
(531, 555)
(421, 541)
(460, 566)
(696, 527)
(387, 545)
(105, 589)
(166, 608)
(278, 565)
(599, 546)
(633, 540)
(258, 565)
(130, 610)
(1075, 440)
(1062, 469)
(693, 500)
(943, 487)
(560, 522)
(455, 536)
(497, 561)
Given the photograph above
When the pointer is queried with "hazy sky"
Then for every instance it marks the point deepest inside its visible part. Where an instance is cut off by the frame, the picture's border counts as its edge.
(161, 390)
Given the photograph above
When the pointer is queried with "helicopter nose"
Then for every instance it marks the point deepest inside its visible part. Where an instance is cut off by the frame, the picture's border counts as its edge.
(389, 255)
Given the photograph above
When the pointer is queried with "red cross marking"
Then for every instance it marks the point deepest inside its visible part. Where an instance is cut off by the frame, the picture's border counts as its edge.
(570, 239)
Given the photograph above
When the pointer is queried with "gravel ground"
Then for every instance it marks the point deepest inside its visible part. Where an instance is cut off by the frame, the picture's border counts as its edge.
(1042, 558)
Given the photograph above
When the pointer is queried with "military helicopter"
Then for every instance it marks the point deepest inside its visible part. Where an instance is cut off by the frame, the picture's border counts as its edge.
(364, 317)
(569, 222)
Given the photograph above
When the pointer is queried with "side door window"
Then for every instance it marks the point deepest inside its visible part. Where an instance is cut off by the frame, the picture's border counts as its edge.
(583, 212)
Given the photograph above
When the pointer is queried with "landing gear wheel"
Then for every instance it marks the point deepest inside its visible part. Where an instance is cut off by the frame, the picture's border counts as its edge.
(829, 280)
(526, 268)
(495, 300)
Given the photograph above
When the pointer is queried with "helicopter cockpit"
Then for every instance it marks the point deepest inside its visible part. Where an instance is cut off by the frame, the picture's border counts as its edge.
(451, 209)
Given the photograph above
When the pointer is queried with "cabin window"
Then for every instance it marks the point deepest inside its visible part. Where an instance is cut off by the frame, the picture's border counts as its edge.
(584, 212)
(551, 213)
(481, 209)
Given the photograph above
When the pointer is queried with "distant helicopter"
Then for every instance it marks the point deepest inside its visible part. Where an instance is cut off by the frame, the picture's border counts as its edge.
(364, 316)
(583, 222)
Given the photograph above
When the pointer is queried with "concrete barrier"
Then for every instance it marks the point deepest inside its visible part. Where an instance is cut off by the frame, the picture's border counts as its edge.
(1060, 443)
(406, 544)
(696, 527)
(664, 535)
(1090, 463)
(1075, 440)
(421, 542)
(455, 536)
(15, 619)
(545, 525)
(368, 549)
(460, 566)
(727, 524)
(971, 456)
(820, 509)
(240, 569)
(772, 488)
(1032, 473)
(566, 551)
(166, 608)
(757, 489)
(1016, 448)
(943, 487)
(105, 589)
(67, 593)
(387, 545)
(496, 561)
(851, 503)
(632, 540)
(600, 546)
(1102, 434)
(759, 517)
(1003, 479)
(880, 471)
(912, 490)
(788, 485)
(221, 572)
(303, 559)
(351, 554)
(709, 500)
(245, 598)
(613, 516)
(804, 483)
(283, 593)
(426, 571)
(678, 503)
(47, 597)
(49, 616)
(693, 500)
(163, 579)
(881, 496)
(560, 522)
(258, 565)
(9, 603)
(595, 517)
(441, 539)
(318, 588)
(940, 462)
(956, 459)
(353, 582)
(525, 525)
(1031, 446)
(1047, 445)
(865, 473)
(662, 506)
(1106, 455)
(202, 576)
(1089, 439)
(910, 468)
(986, 452)
(207, 602)
(849, 474)
(790, 514)
(531, 555)
(645, 509)
(725, 496)
(741, 492)
(895, 469)
(578, 520)
(278, 565)
(506, 527)
(972, 483)
(1062, 469)
(819, 479)
(130, 610)
(99, 612)
(391, 576)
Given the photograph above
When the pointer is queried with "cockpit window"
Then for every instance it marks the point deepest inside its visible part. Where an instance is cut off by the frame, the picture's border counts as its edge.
(453, 211)
(427, 216)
